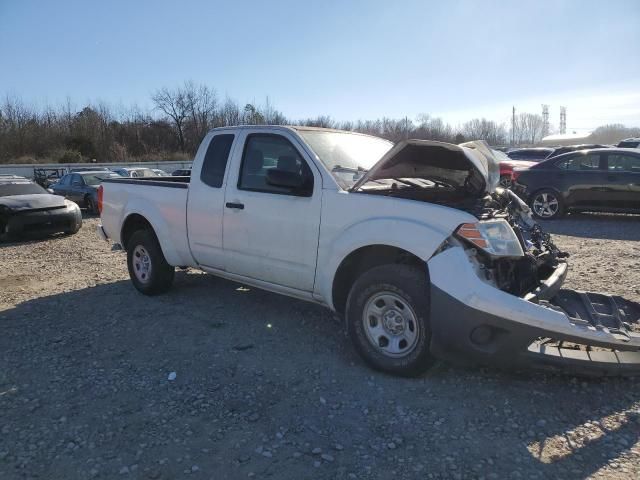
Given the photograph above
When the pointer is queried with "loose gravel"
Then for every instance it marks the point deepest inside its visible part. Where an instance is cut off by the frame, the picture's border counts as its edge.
(214, 381)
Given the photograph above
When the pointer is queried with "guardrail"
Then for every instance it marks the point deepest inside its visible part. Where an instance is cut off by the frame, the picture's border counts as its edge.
(26, 169)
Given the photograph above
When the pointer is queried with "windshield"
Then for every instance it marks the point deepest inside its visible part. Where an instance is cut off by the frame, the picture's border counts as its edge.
(20, 188)
(346, 155)
(97, 178)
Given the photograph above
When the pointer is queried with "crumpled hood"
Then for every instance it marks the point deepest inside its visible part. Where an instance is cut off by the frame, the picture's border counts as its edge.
(37, 201)
(426, 158)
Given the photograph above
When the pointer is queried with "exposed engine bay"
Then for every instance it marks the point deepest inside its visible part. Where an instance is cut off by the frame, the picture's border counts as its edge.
(541, 256)
(513, 275)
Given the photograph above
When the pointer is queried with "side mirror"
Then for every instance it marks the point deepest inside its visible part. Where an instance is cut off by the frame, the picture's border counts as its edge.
(285, 179)
(76, 184)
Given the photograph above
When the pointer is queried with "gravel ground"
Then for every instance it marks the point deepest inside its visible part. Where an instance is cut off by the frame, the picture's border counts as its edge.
(267, 386)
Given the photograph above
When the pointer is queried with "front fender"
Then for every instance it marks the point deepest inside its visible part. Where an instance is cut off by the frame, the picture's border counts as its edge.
(418, 238)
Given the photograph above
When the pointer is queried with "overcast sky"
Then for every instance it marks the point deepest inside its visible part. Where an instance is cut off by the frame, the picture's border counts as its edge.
(347, 59)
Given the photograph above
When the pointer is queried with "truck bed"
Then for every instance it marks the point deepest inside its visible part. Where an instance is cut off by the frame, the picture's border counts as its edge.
(161, 201)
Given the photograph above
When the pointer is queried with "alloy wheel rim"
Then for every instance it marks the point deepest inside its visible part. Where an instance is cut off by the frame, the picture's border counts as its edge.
(142, 264)
(546, 205)
(390, 324)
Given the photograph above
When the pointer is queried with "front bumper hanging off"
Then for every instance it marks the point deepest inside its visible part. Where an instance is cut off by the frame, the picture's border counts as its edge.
(553, 329)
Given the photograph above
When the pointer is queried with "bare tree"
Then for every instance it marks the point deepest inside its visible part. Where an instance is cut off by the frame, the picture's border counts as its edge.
(613, 133)
(483, 129)
(174, 104)
(230, 114)
(201, 103)
(182, 116)
(528, 128)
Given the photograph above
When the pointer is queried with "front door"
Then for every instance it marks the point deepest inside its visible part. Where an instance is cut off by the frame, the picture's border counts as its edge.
(270, 230)
(584, 178)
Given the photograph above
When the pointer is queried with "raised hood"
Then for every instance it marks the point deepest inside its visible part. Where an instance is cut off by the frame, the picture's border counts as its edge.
(36, 201)
(439, 160)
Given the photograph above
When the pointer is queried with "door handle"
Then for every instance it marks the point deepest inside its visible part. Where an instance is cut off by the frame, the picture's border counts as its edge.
(239, 206)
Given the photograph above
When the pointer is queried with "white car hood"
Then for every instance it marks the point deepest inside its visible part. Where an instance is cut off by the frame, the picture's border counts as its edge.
(420, 158)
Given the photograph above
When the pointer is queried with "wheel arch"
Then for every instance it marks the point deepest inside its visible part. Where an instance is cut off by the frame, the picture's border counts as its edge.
(131, 224)
(365, 258)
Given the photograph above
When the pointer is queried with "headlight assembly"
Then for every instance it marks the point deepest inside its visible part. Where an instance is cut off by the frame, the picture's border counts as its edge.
(496, 237)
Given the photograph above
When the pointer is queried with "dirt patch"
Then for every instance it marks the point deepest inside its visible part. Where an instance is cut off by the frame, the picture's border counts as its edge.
(267, 386)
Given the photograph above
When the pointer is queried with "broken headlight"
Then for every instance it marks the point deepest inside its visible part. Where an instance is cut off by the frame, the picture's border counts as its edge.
(496, 237)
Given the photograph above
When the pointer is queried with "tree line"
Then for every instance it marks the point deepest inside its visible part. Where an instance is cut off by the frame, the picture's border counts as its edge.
(181, 117)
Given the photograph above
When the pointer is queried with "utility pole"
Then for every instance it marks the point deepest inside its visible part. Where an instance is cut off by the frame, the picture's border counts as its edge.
(545, 120)
(563, 120)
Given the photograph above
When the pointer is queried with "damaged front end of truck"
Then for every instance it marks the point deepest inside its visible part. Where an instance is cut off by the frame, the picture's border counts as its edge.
(496, 283)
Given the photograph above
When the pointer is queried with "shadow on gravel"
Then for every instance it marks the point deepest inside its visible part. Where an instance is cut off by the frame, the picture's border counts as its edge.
(250, 363)
(594, 225)
(31, 239)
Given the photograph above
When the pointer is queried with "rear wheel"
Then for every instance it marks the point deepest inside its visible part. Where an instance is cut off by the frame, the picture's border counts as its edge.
(547, 204)
(148, 269)
(388, 319)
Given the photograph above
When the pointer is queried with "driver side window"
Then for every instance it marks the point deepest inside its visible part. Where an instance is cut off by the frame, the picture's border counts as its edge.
(265, 152)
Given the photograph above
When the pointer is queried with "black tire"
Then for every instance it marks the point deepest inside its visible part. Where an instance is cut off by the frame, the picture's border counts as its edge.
(559, 213)
(91, 205)
(160, 277)
(412, 286)
(75, 228)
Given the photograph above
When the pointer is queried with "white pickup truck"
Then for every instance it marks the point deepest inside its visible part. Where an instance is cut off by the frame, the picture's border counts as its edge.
(413, 244)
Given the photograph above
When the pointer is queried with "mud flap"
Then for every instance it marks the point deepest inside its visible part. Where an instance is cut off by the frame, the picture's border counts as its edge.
(612, 315)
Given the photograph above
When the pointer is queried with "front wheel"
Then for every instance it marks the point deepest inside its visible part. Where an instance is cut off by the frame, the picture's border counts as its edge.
(148, 269)
(388, 319)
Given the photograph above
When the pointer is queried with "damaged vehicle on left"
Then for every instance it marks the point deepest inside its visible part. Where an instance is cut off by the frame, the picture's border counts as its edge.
(27, 209)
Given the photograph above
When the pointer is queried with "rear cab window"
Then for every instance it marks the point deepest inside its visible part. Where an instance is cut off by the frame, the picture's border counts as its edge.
(216, 159)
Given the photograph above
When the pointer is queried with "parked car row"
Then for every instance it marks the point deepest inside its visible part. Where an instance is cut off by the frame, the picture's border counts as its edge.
(82, 187)
(527, 157)
(45, 177)
(603, 179)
